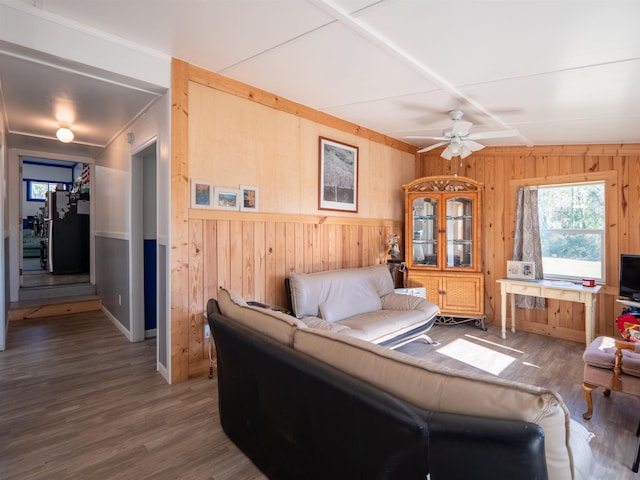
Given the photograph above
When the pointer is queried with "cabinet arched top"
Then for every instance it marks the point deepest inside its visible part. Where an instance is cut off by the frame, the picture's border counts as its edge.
(442, 184)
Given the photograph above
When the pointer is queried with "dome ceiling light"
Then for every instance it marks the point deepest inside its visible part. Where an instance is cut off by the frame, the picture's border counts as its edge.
(64, 134)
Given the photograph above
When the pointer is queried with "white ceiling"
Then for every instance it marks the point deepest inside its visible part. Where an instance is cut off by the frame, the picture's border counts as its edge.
(561, 72)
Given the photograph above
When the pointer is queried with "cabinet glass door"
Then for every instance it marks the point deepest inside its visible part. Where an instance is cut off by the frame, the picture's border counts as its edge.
(425, 231)
(459, 232)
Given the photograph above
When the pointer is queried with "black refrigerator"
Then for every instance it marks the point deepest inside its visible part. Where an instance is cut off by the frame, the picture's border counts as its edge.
(68, 249)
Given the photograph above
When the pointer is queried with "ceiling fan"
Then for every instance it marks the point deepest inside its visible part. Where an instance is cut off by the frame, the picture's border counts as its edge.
(458, 139)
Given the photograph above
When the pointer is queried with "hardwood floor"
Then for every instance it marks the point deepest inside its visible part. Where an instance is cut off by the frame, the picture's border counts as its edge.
(35, 276)
(78, 401)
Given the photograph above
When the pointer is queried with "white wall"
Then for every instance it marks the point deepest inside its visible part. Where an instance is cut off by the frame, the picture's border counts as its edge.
(4, 238)
(95, 51)
(111, 194)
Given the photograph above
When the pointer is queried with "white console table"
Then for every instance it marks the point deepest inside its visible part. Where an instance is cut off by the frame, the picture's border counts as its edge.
(549, 289)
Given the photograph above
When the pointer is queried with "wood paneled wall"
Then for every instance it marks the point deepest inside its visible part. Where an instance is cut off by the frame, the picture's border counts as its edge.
(502, 170)
(229, 134)
(254, 254)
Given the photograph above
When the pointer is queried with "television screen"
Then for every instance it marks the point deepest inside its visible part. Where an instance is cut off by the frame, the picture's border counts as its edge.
(630, 276)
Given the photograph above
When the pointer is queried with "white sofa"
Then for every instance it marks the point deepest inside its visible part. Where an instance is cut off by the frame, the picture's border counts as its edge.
(359, 302)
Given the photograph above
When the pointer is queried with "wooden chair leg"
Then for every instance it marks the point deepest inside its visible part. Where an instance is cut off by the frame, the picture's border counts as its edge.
(587, 388)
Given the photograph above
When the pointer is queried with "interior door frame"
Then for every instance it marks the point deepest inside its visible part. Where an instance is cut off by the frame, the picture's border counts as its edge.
(136, 244)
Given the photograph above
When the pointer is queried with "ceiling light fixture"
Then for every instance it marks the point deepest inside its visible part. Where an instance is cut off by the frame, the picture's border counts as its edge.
(64, 134)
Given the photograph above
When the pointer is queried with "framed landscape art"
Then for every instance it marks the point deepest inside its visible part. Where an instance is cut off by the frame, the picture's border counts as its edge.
(338, 176)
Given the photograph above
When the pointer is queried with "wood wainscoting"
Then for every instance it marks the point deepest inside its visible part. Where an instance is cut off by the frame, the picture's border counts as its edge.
(253, 254)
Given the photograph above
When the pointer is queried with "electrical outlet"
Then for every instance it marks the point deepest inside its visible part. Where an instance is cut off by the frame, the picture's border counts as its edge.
(207, 331)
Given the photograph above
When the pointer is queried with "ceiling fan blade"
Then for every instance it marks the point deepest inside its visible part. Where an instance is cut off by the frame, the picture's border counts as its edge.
(460, 127)
(431, 147)
(423, 137)
(473, 146)
(496, 134)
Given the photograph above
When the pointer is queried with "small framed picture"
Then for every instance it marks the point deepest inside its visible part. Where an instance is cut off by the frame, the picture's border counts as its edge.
(201, 194)
(248, 198)
(226, 199)
(514, 269)
(521, 270)
(528, 270)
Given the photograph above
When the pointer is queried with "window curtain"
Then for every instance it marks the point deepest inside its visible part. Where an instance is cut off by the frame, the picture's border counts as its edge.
(526, 243)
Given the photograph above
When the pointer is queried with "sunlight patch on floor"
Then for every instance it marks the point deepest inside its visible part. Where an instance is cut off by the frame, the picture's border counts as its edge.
(493, 343)
(477, 356)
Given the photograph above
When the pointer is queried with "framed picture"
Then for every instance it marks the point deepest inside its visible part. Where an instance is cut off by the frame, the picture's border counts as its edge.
(521, 270)
(248, 198)
(338, 174)
(226, 199)
(201, 194)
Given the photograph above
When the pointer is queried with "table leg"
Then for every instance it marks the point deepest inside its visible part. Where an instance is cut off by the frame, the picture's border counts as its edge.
(589, 318)
(513, 313)
(503, 298)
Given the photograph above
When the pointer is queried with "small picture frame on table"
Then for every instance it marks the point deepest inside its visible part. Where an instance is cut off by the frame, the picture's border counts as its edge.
(521, 270)
(201, 194)
(226, 199)
(248, 198)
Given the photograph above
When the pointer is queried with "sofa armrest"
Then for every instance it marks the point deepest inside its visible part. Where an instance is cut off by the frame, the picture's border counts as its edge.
(397, 301)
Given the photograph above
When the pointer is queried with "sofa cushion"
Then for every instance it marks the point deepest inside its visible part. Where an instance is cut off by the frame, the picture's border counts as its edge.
(274, 324)
(435, 388)
(383, 325)
(345, 299)
(338, 294)
(322, 324)
(601, 353)
(397, 301)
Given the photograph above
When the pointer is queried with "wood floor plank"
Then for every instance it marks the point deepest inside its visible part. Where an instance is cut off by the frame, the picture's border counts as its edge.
(78, 401)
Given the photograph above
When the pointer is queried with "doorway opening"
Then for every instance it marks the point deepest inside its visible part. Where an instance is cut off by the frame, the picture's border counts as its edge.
(144, 243)
(55, 216)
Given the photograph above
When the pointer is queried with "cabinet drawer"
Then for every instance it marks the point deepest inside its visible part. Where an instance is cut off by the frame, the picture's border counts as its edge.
(533, 290)
(567, 295)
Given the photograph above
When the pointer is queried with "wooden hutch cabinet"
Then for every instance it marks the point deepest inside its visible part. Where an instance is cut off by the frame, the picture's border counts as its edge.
(442, 245)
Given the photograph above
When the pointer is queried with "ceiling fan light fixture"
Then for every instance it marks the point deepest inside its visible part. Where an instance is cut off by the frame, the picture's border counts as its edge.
(465, 151)
(64, 134)
(446, 153)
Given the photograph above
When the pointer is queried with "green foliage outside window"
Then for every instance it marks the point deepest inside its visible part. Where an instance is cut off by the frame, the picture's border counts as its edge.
(572, 228)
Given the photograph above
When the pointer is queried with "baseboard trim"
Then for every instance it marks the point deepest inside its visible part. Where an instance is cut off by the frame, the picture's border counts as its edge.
(118, 325)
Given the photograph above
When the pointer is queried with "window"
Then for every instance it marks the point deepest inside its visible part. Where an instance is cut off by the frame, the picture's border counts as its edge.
(572, 230)
(37, 190)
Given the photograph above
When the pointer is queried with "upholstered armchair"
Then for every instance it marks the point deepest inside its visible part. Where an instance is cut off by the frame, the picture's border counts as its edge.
(614, 365)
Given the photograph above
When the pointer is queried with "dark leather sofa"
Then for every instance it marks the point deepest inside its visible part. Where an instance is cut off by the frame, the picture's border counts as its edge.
(298, 418)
